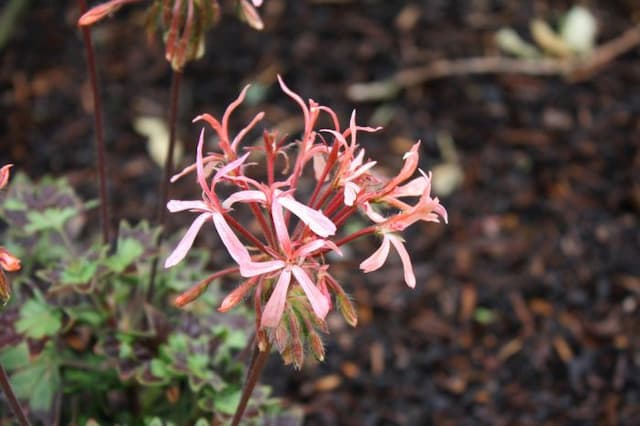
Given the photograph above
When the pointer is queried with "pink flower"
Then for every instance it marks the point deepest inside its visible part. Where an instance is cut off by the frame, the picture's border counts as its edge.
(209, 208)
(377, 259)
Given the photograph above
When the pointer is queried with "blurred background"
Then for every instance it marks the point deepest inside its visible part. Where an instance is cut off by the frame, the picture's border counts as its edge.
(526, 307)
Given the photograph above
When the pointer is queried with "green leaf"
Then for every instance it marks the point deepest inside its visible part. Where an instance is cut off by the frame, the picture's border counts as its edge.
(86, 314)
(128, 251)
(227, 401)
(159, 368)
(197, 364)
(49, 219)
(15, 357)
(201, 422)
(38, 382)
(79, 271)
(13, 204)
(38, 319)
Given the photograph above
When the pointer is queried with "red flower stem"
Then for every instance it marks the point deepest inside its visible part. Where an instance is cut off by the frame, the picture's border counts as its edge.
(266, 229)
(334, 204)
(364, 231)
(343, 215)
(255, 369)
(99, 128)
(176, 78)
(248, 235)
(5, 385)
(333, 155)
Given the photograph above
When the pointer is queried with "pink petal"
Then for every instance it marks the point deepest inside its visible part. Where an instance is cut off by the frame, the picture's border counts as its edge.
(372, 214)
(179, 206)
(314, 219)
(236, 249)
(275, 305)
(252, 269)
(414, 188)
(257, 3)
(4, 175)
(377, 259)
(409, 276)
(350, 193)
(299, 101)
(318, 300)
(244, 196)
(187, 241)
(229, 167)
(314, 245)
(282, 233)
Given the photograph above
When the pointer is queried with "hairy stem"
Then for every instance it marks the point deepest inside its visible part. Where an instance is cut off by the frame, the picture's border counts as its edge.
(255, 369)
(99, 128)
(11, 398)
(176, 78)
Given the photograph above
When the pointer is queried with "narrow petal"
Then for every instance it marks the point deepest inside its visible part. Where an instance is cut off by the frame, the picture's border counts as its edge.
(180, 206)
(234, 246)
(229, 167)
(187, 241)
(409, 276)
(318, 300)
(372, 214)
(244, 197)
(314, 219)
(275, 305)
(315, 245)
(350, 193)
(253, 269)
(414, 188)
(282, 233)
(377, 259)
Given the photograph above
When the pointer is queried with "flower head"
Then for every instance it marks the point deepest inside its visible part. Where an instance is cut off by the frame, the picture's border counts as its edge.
(286, 262)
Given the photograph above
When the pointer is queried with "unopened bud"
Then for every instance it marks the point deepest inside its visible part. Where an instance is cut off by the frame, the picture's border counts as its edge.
(95, 14)
(4, 175)
(237, 295)
(346, 308)
(316, 345)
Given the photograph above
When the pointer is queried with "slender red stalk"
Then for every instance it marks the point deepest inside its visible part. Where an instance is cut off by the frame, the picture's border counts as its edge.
(176, 78)
(248, 235)
(99, 128)
(255, 369)
(5, 385)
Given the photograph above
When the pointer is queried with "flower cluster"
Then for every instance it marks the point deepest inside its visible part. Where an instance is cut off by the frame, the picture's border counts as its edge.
(182, 22)
(286, 263)
(8, 262)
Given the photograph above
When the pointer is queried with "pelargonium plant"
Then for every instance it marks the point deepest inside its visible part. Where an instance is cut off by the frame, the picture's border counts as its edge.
(287, 264)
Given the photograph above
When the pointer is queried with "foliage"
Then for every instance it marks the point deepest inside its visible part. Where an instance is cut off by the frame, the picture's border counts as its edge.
(82, 344)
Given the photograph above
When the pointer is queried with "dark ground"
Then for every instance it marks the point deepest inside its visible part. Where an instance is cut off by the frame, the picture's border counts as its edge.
(526, 310)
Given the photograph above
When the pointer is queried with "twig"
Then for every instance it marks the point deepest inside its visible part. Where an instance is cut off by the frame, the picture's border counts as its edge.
(176, 78)
(99, 128)
(573, 69)
(5, 385)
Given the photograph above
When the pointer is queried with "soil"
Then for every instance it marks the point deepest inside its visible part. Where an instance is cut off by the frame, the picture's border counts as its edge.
(527, 306)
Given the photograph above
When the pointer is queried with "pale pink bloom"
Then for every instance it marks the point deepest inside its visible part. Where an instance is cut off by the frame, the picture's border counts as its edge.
(209, 208)
(314, 219)
(275, 305)
(409, 167)
(377, 259)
